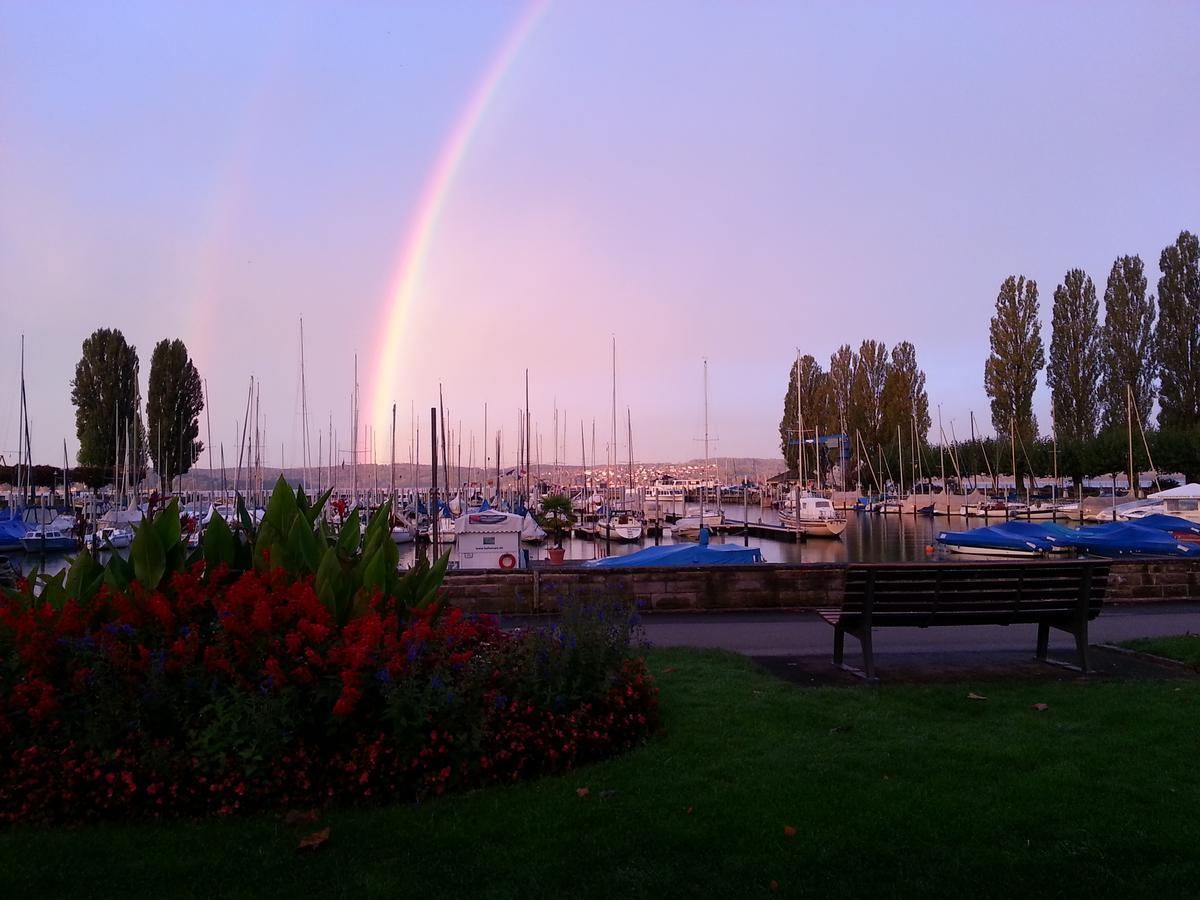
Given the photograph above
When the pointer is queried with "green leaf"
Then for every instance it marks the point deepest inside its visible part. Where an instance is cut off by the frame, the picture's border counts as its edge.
(219, 544)
(246, 519)
(118, 573)
(147, 555)
(167, 525)
(302, 546)
(314, 511)
(84, 577)
(350, 535)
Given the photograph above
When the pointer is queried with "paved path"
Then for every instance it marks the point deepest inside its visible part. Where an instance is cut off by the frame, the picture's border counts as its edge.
(804, 634)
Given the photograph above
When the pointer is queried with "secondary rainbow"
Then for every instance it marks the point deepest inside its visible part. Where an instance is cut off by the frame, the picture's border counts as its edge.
(407, 279)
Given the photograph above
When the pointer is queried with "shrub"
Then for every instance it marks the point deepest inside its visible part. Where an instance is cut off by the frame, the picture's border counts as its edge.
(233, 685)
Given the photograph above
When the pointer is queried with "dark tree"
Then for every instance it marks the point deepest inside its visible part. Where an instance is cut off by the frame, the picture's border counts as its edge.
(867, 392)
(1010, 373)
(1177, 338)
(905, 402)
(1128, 343)
(107, 400)
(1074, 368)
(173, 406)
(815, 406)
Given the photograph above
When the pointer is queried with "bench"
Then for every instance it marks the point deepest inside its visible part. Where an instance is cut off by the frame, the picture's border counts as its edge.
(1065, 595)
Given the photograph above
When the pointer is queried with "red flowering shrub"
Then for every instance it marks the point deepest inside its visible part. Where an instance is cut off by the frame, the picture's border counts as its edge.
(225, 691)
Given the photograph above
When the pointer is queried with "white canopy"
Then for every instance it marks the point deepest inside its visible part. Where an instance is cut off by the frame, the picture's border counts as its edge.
(1190, 491)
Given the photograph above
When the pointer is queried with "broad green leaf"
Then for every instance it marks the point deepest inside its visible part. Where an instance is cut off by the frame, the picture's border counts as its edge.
(302, 546)
(167, 525)
(219, 543)
(350, 535)
(146, 554)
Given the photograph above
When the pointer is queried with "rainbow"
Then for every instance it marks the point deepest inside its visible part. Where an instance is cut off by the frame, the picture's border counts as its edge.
(415, 250)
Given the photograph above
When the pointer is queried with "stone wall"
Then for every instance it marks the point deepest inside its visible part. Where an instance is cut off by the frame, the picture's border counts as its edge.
(757, 587)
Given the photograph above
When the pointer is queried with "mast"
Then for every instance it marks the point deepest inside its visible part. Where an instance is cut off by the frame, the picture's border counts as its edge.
(354, 429)
(304, 445)
(528, 454)
(208, 425)
(702, 486)
(1129, 432)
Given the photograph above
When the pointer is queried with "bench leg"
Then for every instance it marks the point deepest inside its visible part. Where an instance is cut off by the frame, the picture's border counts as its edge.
(1043, 640)
(868, 652)
(839, 644)
(1081, 646)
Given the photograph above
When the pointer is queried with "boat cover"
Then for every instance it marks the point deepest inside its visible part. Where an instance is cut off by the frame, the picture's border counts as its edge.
(1169, 523)
(1126, 538)
(683, 555)
(998, 537)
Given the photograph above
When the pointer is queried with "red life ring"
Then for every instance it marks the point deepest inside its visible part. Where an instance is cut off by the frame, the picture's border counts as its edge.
(508, 561)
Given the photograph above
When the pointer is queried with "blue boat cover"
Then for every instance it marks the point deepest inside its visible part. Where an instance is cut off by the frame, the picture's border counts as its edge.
(683, 555)
(1168, 523)
(997, 537)
(1125, 538)
(12, 529)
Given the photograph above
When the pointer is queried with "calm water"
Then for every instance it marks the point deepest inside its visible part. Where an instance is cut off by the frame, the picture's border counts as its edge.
(867, 538)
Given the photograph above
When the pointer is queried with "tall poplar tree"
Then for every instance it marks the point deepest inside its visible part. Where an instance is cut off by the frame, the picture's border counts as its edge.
(1177, 338)
(1073, 372)
(1010, 373)
(867, 392)
(1128, 358)
(905, 402)
(107, 398)
(815, 405)
(173, 406)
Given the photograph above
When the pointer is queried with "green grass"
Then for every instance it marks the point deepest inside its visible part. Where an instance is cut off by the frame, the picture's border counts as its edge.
(1183, 647)
(893, 791)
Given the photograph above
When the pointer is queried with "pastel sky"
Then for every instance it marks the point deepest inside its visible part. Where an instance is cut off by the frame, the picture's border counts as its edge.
(728, 181)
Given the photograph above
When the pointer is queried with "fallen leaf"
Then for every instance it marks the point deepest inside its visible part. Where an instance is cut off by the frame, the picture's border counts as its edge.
(841, 729)
(301, 817)
(581, 792)
(975, 696)
(774, 886)
(604, 795)
(1041, 707)
(668, 670)
(789, 830)
(690, 810)
(314, 840)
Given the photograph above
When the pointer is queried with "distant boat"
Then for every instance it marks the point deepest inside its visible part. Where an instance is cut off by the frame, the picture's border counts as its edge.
(689, 527)
(106, 536)
(531, 531)
(57, 537)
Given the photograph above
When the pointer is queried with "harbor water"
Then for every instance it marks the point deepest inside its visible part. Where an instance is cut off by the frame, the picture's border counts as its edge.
(867, 538)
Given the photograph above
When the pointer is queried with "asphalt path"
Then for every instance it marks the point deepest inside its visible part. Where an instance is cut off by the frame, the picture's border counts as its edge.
(803, 633)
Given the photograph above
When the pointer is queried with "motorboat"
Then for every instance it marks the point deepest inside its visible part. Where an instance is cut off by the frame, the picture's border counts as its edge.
(689, 527)
(812, 516)
(991, 541)
(1182, 501)
(114, 537)
(620, 527)
(50, 539)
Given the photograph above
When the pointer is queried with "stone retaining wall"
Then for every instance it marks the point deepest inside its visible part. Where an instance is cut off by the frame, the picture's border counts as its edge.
(756, 587)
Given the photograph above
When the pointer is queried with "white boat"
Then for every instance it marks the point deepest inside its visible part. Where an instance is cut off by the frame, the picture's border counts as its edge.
(995, 509)
(689, 527)
(1182, 501)
(111, 536)
(620, 527)
(812, 516)
(404, 534)
(50, 539)
(445, 530)
(989, 551)
(531, 531)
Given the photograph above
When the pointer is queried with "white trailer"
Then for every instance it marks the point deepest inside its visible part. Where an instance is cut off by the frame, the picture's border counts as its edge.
(489, 540)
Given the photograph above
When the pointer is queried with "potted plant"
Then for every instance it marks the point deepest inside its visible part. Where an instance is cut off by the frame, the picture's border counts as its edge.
(556, 520)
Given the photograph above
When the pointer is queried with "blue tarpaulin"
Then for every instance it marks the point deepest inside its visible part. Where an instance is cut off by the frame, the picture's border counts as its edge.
(683, 555)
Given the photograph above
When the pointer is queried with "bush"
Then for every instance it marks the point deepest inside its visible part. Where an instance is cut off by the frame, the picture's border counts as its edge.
(227, 688)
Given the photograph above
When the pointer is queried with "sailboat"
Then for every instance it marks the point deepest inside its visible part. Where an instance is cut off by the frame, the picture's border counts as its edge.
(689, 526)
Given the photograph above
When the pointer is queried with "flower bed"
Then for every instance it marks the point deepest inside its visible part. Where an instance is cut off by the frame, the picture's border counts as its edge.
(224, 690)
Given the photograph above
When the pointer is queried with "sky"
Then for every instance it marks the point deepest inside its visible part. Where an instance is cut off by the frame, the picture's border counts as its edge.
(456, 193)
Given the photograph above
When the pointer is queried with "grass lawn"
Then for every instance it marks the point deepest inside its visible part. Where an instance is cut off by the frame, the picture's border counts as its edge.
(1183, 647)
(892, 791)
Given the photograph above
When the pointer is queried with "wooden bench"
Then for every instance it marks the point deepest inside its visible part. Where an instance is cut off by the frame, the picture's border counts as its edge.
(1064, 595)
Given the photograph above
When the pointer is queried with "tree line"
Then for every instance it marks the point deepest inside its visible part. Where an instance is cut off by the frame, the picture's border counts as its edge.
(1104, 378)
(106, 393)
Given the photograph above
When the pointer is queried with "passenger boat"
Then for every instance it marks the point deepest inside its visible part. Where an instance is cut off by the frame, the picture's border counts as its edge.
(115, 537)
